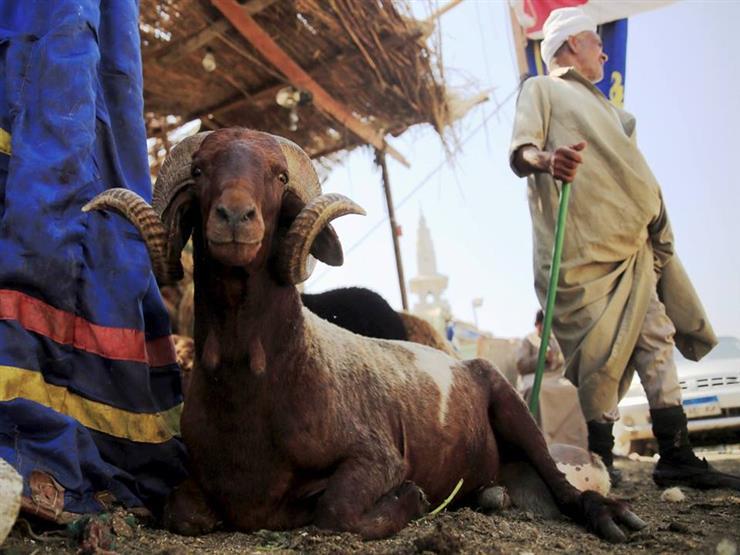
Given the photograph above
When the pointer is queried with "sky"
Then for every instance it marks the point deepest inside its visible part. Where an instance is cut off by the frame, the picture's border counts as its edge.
(682, 83)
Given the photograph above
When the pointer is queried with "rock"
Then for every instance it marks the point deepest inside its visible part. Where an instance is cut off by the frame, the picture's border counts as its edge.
(673, 495)
(175, 550)
(11, 487)
(678, 527)
(726, 547)
(443, 540)
(121, 525)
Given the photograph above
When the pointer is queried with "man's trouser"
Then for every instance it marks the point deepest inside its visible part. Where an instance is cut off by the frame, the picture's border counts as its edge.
(653, 360)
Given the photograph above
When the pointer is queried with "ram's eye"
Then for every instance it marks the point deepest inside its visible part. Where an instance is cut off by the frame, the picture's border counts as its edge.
(283, 177)
(195, 171)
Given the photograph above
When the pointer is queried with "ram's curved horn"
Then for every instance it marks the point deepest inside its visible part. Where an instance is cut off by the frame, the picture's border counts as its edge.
(146, 220)
(159, 224)
(174, 174)
(303, 186)
(302, 178)
(300, 240)
(170, 200)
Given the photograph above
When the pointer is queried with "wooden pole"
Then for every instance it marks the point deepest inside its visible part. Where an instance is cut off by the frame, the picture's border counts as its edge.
(174, 52)
(443, 10)
(380, 160)
(520, 44)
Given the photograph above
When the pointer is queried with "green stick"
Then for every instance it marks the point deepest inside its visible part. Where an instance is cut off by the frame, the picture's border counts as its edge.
(552, 291)
(449, 498)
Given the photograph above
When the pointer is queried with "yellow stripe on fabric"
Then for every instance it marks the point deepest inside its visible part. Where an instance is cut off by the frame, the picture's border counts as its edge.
(538, 59)
(4, 141)
(159, 427)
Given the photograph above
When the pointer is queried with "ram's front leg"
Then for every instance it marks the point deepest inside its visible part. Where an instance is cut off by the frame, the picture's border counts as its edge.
(187, 511)
(370, 498)
(513, 424)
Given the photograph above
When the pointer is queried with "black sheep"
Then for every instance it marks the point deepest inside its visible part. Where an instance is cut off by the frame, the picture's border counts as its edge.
(359, 310)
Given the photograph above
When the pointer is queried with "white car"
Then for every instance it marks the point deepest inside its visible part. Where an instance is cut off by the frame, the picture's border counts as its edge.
(711, 400)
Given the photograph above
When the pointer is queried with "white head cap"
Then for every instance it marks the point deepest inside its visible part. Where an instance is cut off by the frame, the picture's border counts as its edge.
(561, 24)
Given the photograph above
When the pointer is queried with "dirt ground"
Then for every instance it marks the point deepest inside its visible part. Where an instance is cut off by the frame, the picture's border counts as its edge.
(705, 522)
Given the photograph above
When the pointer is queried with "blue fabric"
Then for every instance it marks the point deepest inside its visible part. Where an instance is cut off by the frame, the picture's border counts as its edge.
(31, 433)
(71, 99)
(118, 383)
(614, 37)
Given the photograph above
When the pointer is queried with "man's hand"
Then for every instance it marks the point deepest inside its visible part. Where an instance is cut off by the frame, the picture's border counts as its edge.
(565, 160)
(561, 164)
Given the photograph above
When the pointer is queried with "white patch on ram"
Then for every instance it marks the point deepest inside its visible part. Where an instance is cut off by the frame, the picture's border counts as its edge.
(439, 367)
(345, 353)
(582, 468)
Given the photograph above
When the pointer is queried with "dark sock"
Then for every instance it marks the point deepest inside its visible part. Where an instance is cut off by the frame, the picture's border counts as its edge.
(601, 440)
(671, 431)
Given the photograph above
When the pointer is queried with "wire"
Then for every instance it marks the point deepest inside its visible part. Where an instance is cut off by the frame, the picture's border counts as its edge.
(423, 182)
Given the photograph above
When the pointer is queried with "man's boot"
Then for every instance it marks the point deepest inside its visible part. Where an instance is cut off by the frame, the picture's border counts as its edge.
(601, 442)
(678, 465)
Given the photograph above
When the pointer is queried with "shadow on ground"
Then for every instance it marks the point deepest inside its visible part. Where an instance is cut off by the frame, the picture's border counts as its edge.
(705, 522)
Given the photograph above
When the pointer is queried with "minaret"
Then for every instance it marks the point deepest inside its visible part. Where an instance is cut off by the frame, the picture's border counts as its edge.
(428, 284)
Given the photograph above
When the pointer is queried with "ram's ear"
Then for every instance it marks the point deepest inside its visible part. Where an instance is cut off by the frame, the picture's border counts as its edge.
(178, 219)
(290, 207)
(327, 248)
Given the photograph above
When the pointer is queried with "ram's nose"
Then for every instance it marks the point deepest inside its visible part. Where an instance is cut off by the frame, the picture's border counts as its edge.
(235, 215)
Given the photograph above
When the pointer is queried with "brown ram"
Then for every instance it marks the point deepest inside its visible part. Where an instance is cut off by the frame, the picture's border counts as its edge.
(291, 420)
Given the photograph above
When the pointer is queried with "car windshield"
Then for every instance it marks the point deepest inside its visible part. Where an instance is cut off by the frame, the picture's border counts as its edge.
(728, 347)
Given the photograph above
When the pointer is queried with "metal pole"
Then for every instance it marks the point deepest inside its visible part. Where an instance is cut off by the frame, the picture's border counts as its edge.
(380, 160)
(552, 291)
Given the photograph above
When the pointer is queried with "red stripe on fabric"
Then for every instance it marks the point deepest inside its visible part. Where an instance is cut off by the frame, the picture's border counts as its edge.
(541, 9)
(69, 329)
(161, 351)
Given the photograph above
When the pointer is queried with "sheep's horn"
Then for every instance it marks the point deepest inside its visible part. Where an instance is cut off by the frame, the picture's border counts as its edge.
(173, 179)
(145, 219)
(304, 181)
(301, 238)
(175, 171)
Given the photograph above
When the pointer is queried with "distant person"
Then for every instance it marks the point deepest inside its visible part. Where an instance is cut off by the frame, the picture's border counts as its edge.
(622, 291)
(526, 363)
(559, 412)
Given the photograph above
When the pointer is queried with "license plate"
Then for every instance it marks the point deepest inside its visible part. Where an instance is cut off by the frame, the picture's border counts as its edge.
(702, 406)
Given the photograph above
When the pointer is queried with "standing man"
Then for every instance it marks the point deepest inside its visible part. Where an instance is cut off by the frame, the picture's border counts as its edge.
(622, 292)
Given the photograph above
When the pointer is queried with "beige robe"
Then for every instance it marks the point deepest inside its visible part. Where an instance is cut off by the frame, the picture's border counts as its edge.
(617, 236)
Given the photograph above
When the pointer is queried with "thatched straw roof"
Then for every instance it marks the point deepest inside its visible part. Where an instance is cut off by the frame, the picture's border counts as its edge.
(370, 56)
